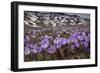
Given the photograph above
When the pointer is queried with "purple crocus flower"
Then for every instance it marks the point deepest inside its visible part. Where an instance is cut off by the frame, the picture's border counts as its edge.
(64, 41)
(68, 40)
(58, 42)
(27, 44)
(39, 49)
(77, 44)
(51, 49)
(26, 50)
(80, 37)
(85, 44)
(58, 45)
(31, 45)
(44, 43)
(72, 39)
(34, 49)
(74, 35)
(87, 38)
(26, 39)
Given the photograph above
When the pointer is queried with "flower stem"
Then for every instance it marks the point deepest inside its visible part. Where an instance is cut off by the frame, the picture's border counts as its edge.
(61, 53)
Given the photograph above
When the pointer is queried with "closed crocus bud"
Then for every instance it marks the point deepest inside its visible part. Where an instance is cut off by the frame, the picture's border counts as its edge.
(77, 44)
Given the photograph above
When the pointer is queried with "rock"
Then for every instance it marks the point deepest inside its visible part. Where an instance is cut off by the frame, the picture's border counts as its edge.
(52, 19)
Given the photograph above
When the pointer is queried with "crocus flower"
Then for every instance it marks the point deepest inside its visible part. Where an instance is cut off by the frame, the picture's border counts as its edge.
(77, 44)
(31, 45)
(58, 42)
(51, 49)
(80, 37)
(85, 44)
(87, 38)
(26, 50)
(39, 49)
(26, 39)
(34, 49)
(44, 43)
(64, 41)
